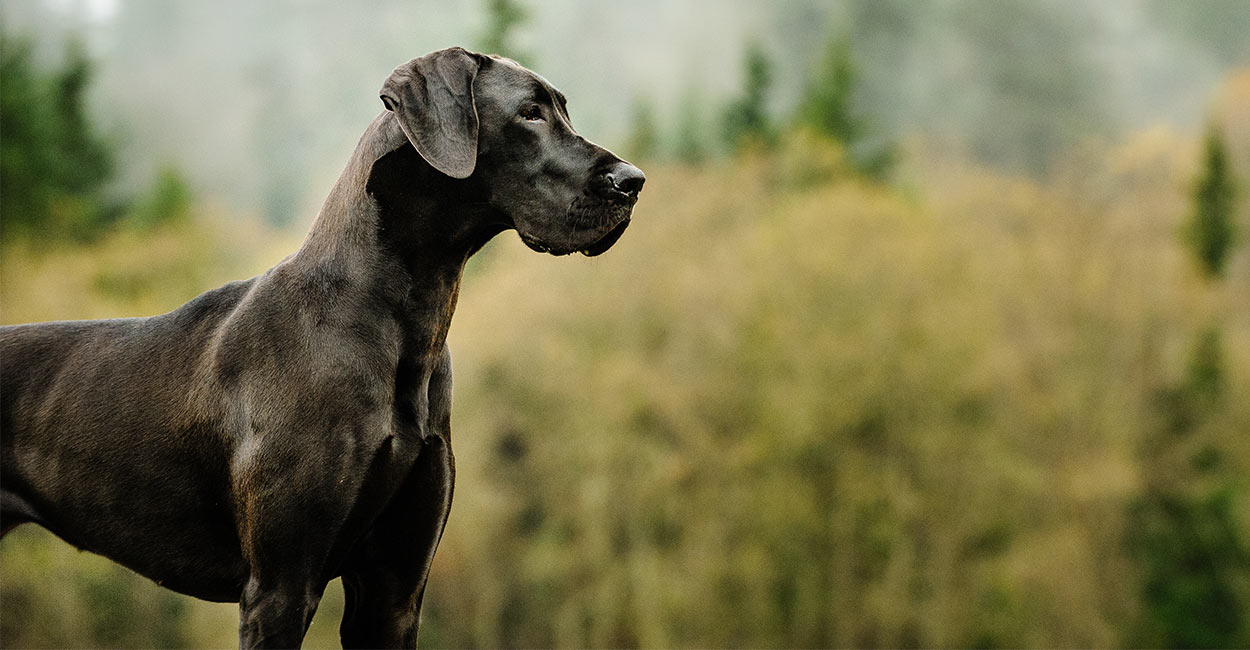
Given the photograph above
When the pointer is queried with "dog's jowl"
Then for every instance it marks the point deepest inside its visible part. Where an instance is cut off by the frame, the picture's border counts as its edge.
(278, 432)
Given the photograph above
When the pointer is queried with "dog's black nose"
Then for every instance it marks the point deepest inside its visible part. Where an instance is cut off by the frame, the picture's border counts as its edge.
(626, 178)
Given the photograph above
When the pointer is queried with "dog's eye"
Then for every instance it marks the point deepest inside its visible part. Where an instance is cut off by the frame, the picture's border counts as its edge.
(532, 113)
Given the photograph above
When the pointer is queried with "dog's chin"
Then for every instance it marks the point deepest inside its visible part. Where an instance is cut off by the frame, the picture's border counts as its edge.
(588, 242)
(605, 242)
(595, 247)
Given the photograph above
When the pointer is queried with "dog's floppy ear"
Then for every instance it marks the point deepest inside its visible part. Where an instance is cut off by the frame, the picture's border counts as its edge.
(432, 97)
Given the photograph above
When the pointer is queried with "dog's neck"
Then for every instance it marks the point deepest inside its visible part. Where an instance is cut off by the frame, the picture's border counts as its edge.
(401, 227)
(389, 195)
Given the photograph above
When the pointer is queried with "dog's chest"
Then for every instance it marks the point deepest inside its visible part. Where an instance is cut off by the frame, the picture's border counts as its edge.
(411, 406)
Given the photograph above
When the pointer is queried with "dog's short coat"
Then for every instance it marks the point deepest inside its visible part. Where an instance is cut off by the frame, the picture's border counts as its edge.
(275, 433)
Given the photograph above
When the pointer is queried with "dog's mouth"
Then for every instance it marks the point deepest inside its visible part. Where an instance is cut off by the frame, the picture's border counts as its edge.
(605, 242)
(589, 241)
(597, 247)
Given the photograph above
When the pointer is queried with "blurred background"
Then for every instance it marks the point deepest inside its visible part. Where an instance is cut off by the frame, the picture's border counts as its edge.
(930, 329)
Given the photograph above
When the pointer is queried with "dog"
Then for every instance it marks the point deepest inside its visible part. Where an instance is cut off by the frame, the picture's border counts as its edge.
(279, 432)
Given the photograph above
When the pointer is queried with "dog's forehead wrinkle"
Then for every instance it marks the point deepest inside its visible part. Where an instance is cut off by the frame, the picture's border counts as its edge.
(521, 79)
(507, 89)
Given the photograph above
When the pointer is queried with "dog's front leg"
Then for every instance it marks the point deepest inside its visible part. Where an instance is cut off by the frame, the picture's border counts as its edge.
(286, 583)
(384, 581)
(276, 614)
(292, 502)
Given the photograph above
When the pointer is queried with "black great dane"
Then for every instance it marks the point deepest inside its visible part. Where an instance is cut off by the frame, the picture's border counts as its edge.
(276, 433)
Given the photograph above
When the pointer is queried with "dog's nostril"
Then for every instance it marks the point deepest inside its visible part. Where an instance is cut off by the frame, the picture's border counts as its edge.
(626, 178)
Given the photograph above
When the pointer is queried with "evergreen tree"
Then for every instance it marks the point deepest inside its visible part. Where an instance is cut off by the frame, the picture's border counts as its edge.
(53, 162)
(828, 107)
(1184, 530)
(1194, 565)
(1210, 228)
(746, 119)
(502, 20)
(169, 200)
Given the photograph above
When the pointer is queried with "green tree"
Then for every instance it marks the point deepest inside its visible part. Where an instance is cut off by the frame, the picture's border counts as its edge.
(54, 163)
(746, 120)
(1184, 530)
(168, 200)
(503, 17)
(828, 107)
(827, 103)
(1210, 228)
(1193, 557)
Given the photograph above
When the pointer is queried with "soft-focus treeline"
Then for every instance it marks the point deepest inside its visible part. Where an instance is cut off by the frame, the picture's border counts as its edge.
(847, 381)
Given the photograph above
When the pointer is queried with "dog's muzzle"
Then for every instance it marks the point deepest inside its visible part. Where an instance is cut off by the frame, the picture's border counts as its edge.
(598, 218)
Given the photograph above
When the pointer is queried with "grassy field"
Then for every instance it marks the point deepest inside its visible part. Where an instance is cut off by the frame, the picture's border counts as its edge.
(789, 409)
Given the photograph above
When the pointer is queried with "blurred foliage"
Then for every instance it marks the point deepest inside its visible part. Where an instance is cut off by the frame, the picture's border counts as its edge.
(746, 121)
(1185, 530)
(1195, 589)
(54, 164)
(503, 17)
(820, 415)
(53, 599)
(1210, 228)
(829, 107)
(169, 200)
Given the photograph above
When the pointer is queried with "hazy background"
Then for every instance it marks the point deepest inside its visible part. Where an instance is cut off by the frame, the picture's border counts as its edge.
(932, 328)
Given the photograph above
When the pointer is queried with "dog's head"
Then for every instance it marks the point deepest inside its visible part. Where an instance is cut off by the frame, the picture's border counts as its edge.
(488, 118)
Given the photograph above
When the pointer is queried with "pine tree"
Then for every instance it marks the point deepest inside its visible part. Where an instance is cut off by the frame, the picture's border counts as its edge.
(1210, 228)
(746, 118)
(503, 18)
(54, 164)
(828, 107)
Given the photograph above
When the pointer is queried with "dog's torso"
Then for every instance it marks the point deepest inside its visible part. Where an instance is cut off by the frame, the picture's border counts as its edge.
(152, 436)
